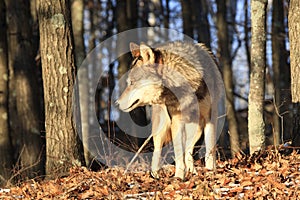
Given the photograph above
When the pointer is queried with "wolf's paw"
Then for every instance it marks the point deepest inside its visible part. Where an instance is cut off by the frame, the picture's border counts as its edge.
(210, 164)
(155, 174)
(179, 174)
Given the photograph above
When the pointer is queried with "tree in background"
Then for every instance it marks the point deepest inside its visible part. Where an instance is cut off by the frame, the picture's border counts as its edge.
(127, 18)
(195, 20)
(63, 147)
(24, 105)
(187, 17)
(294, 35)
(77, 15)
(226, 66)
(256, 125)
(6, 158)
(281, 77)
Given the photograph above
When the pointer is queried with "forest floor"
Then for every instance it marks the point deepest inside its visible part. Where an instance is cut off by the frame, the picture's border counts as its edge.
(271, 174)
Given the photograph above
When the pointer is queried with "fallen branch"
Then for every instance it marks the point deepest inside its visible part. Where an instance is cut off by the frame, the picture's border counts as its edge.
(138, 152)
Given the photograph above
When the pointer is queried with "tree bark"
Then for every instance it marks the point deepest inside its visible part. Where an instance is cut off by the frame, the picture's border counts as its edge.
(187, 17)
(256, 125)
(127, 19)
(77, 9)
(246, 32)
(24, 106)
(281, 71)
(6, 158)
(166, 13)
(63, 147)
(294, 35)
(201, 24)
(225, 63)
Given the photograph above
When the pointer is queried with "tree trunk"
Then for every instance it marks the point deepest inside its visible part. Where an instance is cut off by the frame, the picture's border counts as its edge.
(187, 17)
(225, 63)
(200, 8)
(281, 71)
(6, 158)
(63, 147)
(166, 12)
(77, 9)
(294, 35)
(247, 32)
(24, 106)
(127, 19)
(256, 125)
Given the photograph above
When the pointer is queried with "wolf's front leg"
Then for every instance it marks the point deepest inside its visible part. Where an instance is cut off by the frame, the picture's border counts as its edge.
(210, 142)
(177, 130)
(161, 129)
(193, 133)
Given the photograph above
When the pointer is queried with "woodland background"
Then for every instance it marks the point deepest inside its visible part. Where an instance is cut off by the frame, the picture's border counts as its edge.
(43, 42)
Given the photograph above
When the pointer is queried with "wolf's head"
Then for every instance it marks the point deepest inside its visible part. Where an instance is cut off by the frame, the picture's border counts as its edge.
(144, 87)
(151, 81)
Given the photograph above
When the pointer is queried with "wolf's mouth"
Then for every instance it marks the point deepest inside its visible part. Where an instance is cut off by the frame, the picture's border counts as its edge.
(132, 105)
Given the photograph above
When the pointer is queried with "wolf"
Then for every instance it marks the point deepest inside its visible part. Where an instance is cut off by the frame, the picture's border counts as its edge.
(171, 77)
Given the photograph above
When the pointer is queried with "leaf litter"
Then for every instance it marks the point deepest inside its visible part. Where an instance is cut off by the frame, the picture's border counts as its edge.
(269, 174)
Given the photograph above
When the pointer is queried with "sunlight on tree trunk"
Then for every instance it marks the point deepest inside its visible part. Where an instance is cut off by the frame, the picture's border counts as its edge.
(256, 125)
(63, 149)
(294, 34)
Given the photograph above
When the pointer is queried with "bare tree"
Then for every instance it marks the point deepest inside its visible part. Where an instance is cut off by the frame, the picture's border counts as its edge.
(6, 158)
(127, 17)
(225, 63)
(187, 17)
(247, 31)
(201, 23)
(77, 11)
(24, 107)
(166, 13)
(256, 125)
(63, 149)
(281, 70)
(294, 35)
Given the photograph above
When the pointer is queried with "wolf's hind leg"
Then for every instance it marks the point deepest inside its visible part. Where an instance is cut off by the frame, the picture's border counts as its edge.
(210, 142)
(193, 132)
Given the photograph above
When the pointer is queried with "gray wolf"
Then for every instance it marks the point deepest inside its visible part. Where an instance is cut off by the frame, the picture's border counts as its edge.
(171, 79)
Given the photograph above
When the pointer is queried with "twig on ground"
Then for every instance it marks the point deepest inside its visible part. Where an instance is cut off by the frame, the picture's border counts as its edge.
(137, 153)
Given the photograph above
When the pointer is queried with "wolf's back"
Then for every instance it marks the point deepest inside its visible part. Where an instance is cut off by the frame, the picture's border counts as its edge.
(195, 62)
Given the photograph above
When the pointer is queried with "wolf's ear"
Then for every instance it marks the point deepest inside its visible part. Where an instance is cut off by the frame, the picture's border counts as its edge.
(135, 49)
(147, 53)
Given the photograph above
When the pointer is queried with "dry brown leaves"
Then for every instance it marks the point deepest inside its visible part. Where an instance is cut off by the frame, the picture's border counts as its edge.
(267, 175)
